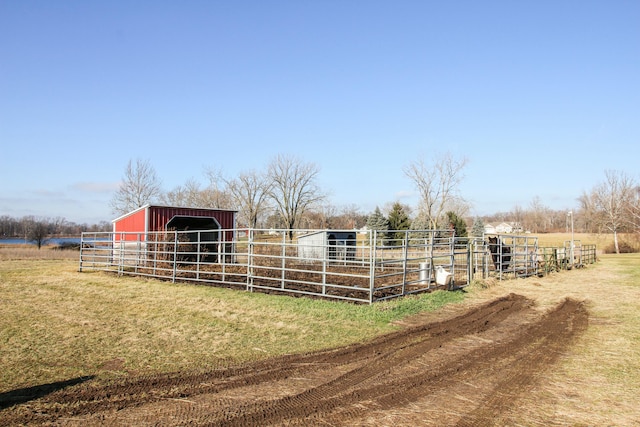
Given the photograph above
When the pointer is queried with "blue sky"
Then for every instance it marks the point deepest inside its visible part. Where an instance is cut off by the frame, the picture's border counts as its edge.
(541, 96)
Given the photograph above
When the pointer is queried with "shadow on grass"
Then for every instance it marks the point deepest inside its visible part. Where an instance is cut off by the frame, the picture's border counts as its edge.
(22, 395)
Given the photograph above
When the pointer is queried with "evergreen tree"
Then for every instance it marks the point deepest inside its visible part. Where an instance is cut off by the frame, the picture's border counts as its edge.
(477, 230)
(420, 223)
(457, 224)
(377, 221)
(398, 220)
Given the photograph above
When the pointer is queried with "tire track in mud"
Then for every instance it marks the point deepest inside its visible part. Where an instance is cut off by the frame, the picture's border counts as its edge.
(345, 385)
(519, 360)
(392, 352)
(538, 346)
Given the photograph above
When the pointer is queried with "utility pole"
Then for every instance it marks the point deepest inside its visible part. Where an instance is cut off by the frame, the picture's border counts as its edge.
(570, 213)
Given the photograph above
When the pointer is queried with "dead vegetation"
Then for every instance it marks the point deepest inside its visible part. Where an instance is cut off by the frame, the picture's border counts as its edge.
(557, 350)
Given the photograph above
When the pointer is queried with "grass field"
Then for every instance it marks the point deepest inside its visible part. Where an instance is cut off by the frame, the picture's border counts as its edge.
(598, 380)
(58, 324)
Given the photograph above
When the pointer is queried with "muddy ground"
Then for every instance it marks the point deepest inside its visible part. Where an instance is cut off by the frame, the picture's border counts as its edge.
(468, 368)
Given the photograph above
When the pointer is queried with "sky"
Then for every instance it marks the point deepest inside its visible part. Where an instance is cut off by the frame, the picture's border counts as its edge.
(541, 97)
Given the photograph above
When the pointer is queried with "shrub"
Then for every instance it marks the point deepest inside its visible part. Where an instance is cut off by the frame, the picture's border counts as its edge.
(624, 246)
(64, 246)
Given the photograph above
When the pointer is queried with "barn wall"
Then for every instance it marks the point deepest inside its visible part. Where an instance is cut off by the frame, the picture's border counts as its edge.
(159, 216)
(134, 222)
(155, 218)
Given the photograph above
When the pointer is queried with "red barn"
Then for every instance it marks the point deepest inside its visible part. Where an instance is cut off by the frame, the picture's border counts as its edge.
(153, 218)
(212, 229)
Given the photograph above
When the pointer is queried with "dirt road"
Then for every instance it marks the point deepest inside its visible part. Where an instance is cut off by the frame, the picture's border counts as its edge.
(467, 369)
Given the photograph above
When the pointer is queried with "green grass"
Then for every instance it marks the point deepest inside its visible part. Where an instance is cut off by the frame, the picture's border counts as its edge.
(58, 323)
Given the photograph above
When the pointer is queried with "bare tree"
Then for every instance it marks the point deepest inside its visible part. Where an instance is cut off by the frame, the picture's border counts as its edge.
(36, 230)
(352, 217)
(183, 195)
(537, 216)
(517, 216)
(250, 192)
(329, 216)
(19, 227)
(215, 195)
(611, 200)
(588, 213)
(634, 209)
(437, 184)
(320, 216)
(460, 206)
(293, 188)
(194, 195)
(57, 224)
(140, 185)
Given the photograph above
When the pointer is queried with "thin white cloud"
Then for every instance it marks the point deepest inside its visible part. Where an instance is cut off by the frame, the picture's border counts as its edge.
(40, 192)
(96, 187)
(404, 194)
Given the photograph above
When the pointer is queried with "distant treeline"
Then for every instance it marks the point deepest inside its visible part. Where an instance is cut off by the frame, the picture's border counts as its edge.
(24, 226)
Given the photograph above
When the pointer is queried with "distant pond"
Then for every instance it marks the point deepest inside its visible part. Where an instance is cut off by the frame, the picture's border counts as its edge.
(53, 241)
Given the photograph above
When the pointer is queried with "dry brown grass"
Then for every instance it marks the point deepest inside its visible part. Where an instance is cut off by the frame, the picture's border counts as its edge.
(598, 380)
(57, 324)
(30, 252)
(558, 239)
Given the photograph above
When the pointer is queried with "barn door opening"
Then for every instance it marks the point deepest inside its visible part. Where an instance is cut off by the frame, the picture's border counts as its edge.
(201, 231)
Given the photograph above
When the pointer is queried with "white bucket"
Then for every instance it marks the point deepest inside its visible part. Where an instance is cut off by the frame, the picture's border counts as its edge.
(425, 276)
(443, 277)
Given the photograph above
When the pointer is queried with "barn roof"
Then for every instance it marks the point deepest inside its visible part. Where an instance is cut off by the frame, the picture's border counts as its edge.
(149, 206)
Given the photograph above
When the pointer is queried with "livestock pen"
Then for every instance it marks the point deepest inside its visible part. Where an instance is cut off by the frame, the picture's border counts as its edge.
(520, 256)
(359, 266)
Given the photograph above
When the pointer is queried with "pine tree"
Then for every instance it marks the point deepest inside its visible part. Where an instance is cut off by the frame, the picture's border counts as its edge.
(378, 222)
(457, 224)
(420, 223)
(398, 220)
(477, 230)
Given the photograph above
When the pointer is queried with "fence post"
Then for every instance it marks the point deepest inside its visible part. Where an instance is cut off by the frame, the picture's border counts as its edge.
(470, 262)
(175, 256)
(250, 260)
(223, 246)
(138, 253)
(405, 252)
(372, 262)
(199, 256)
(81, 246)
(283, 263)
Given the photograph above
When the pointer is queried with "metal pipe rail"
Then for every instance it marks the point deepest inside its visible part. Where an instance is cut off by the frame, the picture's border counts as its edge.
(364, 269)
